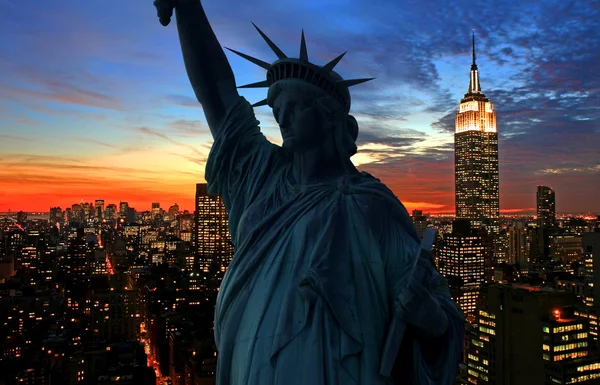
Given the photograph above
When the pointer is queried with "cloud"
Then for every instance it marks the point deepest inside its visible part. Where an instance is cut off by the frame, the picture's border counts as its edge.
(183, 101)
(97, 142)
(14, 138)
(154, 133)
(60, 91)
(28, 122)
(189, 127)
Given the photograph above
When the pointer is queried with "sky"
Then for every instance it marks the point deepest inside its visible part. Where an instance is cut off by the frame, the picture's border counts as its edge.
(95, 102)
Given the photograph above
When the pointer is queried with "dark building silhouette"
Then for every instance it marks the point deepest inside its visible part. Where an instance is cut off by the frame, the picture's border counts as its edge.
(528, 335)
(546, 219)
(546, 206)
(420, 222)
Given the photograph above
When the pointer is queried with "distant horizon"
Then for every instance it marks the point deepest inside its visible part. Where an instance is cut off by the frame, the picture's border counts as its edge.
(502, 212)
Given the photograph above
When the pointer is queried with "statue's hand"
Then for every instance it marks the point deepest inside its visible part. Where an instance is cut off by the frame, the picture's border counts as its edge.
(418, 303)
(164, 9)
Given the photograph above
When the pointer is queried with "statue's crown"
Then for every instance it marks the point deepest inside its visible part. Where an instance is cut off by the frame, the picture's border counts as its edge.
(292, 68)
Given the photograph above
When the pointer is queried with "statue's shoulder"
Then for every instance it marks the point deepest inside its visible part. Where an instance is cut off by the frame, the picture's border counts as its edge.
(369, 189)
(380, 206)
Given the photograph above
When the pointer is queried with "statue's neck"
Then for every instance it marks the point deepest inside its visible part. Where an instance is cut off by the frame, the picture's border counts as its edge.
(320, 165)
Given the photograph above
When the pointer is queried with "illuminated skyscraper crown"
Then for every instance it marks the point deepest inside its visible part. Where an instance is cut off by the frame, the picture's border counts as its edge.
(291, 68)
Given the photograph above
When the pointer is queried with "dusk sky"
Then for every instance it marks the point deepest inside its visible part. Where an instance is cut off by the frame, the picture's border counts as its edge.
(95, 102)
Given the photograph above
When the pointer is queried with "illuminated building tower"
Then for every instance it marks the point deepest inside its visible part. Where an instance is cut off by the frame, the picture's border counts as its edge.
(461, 260)
(531, 336)
(518, 243)
(100, 209)
(476, 158)
(420, 222)
(214, 249)
(27, 260)
(77, 269)
(77, 212)
(591, 250)
(155, 209)
(68, 214)
(565, 247)
(591, 299)
(56, 215)
(113, 308)
(173, 211)
(88, 210)
(123, 206)
(185, 227)
(111, 212)
(546, 207)
(501, 244)
(546, 219)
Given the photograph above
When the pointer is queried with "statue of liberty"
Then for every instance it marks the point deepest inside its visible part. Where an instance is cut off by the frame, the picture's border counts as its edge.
(330, 283)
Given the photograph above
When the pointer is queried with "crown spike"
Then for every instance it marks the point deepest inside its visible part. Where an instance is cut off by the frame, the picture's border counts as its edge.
(272, 45)
(329, 66)
(303, 51)
(256, 61)
(260, 103)
(353, 82)
(261, 84)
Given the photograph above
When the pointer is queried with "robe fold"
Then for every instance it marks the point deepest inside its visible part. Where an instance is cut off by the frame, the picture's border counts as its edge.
(311, 295)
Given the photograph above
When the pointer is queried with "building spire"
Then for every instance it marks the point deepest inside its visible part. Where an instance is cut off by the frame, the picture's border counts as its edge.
(474, 86)
(474, 48)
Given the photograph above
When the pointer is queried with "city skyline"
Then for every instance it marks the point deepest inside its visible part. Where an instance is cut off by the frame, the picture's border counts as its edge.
(108, 113)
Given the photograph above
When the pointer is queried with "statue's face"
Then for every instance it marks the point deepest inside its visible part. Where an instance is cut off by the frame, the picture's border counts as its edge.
(303, 126)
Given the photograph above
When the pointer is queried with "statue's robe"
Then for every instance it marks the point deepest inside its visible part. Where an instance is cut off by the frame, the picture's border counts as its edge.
(311, 295)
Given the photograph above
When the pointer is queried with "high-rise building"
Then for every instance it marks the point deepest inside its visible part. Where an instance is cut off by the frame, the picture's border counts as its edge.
(100, 209)
(546, 220)
(476, 157)
(420, 222)
(565, 247)
(56, 215)
(76, 267)
(113, 308)
(518, 243)
(461, 260)
(123, 206)
(111, 212)
(546, 207)
(77, 211)
(173, 211)
(155, 209)
(214, 249)
(528, 335)
(591, 257)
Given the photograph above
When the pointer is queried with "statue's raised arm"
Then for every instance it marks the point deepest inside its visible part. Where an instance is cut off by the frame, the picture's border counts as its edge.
(207, 66)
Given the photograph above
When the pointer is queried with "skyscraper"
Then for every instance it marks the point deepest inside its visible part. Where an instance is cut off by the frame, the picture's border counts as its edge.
(100, 209)
(155, 209)
(591, 255)
(546, 219)
(420, 222)
(476, 157)
(546, 207)
(214, 249)
(461, 260)
(518, 243)
(123, 206)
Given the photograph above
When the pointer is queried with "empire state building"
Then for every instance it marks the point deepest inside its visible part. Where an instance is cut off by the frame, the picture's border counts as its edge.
(476, 157)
